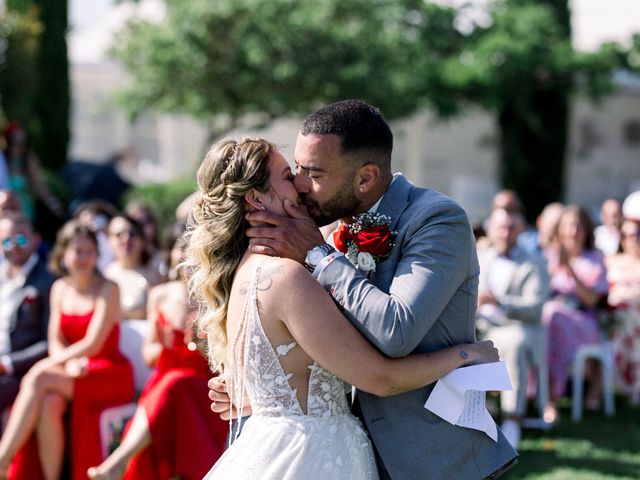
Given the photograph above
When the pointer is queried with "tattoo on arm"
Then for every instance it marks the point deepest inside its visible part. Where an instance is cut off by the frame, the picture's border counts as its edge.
(265, 281)
(266, 277)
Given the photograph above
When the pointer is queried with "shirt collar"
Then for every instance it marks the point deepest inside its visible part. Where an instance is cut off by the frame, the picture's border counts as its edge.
(376, 205)
(24, 271)
(512, 254)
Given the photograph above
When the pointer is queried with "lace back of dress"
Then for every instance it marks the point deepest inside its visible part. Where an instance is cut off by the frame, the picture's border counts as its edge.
(254, 366)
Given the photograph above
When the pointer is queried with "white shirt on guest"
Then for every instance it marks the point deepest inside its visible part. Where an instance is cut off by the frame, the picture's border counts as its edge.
(10, 300)
(606, 240)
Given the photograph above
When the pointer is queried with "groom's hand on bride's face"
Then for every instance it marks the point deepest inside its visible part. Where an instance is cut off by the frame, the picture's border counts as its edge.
(289, 236)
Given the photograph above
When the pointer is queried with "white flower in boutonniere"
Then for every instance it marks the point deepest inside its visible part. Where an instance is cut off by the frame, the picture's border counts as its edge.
(366, 241)
(366, 263)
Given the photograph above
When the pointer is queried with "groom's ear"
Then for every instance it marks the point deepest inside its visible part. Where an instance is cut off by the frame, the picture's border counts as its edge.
(254, 199)
(367, 177)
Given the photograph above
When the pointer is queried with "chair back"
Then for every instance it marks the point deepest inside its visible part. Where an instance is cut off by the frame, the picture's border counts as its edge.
(132, 333)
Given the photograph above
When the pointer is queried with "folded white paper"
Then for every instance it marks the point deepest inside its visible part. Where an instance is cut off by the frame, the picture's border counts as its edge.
(459, 397)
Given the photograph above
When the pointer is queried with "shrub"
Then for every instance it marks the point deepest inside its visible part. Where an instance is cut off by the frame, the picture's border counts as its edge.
(162, 198)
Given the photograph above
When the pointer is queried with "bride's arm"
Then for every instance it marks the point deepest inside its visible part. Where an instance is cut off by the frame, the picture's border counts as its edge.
(331, 340)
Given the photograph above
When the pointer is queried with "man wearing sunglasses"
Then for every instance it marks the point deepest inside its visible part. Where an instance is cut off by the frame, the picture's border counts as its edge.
(24, 304)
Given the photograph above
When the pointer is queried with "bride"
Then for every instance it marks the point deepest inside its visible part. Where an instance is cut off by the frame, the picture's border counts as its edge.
(280, 338)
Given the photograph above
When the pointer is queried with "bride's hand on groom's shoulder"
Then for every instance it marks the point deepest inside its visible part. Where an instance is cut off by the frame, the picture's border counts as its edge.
(483, 352)
(221, 402)
(290, 236)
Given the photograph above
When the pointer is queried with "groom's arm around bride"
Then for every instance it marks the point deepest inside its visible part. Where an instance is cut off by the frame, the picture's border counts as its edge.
(420, 298)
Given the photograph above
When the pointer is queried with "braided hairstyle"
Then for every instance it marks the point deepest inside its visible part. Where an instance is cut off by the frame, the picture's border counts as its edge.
(216, 232)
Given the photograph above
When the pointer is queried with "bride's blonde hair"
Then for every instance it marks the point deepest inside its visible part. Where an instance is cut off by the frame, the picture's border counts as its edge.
(216, 233)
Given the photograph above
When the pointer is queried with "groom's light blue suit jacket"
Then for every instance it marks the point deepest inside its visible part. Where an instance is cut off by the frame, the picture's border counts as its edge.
(421, 298)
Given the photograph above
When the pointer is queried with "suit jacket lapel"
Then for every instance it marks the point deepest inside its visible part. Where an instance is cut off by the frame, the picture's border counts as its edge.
(395, 199)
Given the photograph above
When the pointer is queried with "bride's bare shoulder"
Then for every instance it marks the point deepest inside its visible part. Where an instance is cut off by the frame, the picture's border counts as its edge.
(283, 285)
(273, 272)
(281, 271)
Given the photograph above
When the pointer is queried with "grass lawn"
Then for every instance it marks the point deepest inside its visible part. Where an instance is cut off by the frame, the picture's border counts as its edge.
(598, 448)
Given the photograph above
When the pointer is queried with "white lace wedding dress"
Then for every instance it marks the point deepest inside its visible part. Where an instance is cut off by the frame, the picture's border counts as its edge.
(279, 440)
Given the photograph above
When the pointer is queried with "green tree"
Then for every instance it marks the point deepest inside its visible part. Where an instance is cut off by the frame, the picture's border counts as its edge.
(227, 62)
(523, 68)
(230, 61)
(19, 40)
(52, 98)
(35, 78)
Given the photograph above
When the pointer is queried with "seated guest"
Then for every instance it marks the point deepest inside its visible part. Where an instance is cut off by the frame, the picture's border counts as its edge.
(24, 304)
(183, 211)
(504, 199)
(9, 203)
(541, 238)
(173, 432)
(513, 287)
(623, 271)
(508, 200)
(132, 269)
(578, 280)
(84, 372)
(96, 214)
(607, 235)
(142, 214)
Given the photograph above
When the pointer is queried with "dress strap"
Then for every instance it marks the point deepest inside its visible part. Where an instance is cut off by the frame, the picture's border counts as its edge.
(239, 380)
(253, 296)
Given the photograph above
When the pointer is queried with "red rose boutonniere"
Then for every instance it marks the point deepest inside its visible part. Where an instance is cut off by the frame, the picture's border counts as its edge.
(30, 295)
(366, 241)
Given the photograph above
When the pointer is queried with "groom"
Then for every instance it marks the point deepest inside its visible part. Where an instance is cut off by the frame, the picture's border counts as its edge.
(419, 299)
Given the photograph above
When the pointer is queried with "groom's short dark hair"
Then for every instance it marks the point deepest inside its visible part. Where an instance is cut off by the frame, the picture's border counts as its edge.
(359, 125)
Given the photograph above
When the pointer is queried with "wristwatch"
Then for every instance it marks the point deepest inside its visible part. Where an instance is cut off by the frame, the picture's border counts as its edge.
(316, 254)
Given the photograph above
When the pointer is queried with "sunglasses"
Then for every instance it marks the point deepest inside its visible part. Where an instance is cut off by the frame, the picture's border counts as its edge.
(131, 233)
(19, 240)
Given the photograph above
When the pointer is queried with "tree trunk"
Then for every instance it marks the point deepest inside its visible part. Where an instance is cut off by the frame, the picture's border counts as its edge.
(533, 142)
(53, 96)
(534, 130)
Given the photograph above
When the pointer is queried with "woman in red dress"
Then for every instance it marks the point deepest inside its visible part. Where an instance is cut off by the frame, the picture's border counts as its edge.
(84, 372)
(173, 432)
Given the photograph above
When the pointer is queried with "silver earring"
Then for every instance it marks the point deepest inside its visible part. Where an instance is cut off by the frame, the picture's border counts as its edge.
(362, 189)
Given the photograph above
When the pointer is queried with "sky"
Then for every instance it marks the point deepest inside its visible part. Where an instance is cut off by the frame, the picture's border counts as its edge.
(95, 21)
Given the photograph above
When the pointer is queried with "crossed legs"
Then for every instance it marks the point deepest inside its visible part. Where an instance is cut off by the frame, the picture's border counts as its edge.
(39, 408)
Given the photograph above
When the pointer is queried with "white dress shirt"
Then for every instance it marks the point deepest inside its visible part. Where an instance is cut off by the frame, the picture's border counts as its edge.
(10, 301)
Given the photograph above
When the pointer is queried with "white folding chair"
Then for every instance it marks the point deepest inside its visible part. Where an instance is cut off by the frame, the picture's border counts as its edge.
(603, 352)
(112, 419)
